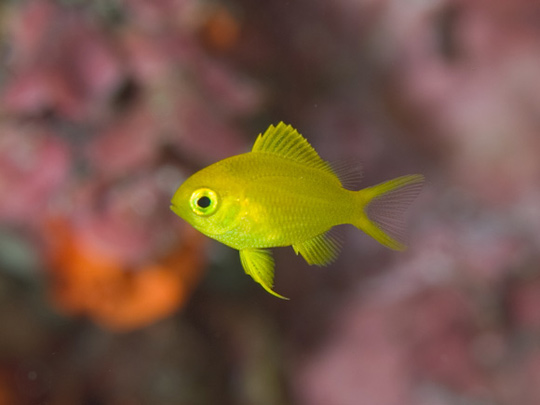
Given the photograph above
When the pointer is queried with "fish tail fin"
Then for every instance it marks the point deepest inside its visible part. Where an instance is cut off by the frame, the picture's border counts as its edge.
(383, 209)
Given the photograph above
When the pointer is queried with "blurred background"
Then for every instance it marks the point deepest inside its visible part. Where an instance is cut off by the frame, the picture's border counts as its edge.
(106, 297)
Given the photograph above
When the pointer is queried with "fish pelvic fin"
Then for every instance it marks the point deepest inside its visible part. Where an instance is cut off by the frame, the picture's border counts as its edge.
(259, 264)
(320, 250)
(384, 207)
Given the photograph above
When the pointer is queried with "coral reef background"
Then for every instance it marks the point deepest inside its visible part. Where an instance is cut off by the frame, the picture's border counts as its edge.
(106, 297)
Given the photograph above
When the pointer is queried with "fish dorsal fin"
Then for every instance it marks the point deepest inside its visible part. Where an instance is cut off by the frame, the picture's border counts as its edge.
(285, 141)
(349, 174)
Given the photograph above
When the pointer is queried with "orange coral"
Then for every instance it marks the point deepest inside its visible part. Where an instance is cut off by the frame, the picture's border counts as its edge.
(88, 280)
(7, 396)
(221, 30)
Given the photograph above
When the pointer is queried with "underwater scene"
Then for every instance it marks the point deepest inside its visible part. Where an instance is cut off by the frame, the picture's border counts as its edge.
(301, 202)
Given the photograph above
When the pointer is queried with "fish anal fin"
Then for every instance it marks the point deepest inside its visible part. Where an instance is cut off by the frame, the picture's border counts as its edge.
(259, 264)
(320, 250)
(285, 141)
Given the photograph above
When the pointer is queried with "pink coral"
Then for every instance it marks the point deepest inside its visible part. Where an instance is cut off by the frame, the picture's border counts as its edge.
(34, 166)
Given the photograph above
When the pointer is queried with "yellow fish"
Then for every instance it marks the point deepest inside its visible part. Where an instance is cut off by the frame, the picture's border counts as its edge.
(283, 194)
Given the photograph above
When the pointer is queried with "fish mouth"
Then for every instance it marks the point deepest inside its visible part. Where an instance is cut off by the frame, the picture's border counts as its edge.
(175, 209)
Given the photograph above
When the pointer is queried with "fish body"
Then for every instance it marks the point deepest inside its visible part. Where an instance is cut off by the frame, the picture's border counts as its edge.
(283, 194)
(269, 201)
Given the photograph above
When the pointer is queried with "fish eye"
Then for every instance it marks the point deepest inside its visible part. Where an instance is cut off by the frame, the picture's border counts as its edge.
(204, 202)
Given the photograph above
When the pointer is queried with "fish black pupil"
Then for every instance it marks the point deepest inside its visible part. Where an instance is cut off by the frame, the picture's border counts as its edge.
(204, 202)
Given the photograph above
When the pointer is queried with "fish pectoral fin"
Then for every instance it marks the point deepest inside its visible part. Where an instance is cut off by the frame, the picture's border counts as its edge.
(259, 264)
(320, 250)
